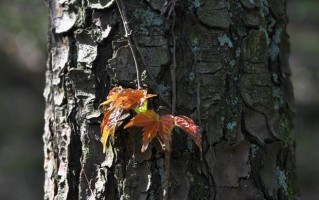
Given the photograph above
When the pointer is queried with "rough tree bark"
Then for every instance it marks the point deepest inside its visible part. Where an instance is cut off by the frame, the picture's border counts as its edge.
(232, 77)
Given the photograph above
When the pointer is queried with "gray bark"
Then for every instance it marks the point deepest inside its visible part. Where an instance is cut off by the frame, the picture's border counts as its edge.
(232, 76)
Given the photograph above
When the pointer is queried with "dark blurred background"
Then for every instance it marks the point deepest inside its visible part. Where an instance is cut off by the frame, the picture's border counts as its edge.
(304, 62)
(23, 27)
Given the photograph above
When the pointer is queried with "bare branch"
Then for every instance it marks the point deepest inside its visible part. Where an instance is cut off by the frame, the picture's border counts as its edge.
(173, 76)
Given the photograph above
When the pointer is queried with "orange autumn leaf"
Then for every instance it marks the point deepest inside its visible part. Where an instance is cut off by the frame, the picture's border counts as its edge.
(153, 126)
(113, 94)
(126, 98)
(118, 100)
(109, 124)
(189, 126)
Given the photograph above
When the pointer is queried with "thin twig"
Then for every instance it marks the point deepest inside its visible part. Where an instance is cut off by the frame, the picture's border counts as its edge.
(166, 173)
(148, 70)
(128, 35)
(173, 76)
(198, 94)
(87, 180)
(173, 67)
(133, 43)
(147, 67)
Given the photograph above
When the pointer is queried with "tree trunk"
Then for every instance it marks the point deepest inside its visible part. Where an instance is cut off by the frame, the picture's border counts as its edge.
(232, 77)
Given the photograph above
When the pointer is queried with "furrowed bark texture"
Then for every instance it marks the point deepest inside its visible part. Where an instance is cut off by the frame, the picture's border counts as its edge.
(232, 77)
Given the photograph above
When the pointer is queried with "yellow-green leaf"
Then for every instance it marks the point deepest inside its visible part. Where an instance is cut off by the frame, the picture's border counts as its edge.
(142, 108)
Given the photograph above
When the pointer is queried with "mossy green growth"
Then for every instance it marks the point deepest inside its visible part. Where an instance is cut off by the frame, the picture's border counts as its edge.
(164, 89)
(252, 2)
(231, 125)
(230, 116)
(225, 40)
(274, 46)
(191, 76)
(232, 63)
(195, 45)
(282, 180)
(232, 101)
(274, 77)
(194, 4)
(285, 129)
(151, 195)
(278, 98)
(265, 7)
(238, 51)
(254, 150)
(273, 51)
(291, 191)
(146, 19)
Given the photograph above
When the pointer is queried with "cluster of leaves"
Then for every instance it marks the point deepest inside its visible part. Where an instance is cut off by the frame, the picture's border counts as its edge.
(117, 105)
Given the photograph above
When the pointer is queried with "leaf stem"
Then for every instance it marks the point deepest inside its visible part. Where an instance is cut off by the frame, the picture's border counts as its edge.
(128, 35)
(166, 173)
(148, 70)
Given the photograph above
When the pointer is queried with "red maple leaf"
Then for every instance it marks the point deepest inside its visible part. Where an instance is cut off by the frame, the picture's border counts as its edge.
(189, 126)
(162, 127)
(153, 126)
